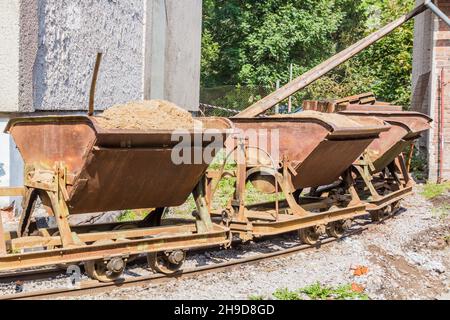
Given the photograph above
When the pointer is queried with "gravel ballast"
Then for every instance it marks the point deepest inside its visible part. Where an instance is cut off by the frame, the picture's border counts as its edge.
(407, 257)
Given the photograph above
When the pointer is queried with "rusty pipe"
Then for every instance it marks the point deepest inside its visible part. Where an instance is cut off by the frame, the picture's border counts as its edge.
(94, 84)
(441, 127)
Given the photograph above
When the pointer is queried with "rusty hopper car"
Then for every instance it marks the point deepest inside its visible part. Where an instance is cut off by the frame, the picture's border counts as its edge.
(382, 175)
(315, 149)
(74, 166)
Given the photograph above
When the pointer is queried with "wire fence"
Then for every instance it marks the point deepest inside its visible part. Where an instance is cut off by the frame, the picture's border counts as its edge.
(231, 99)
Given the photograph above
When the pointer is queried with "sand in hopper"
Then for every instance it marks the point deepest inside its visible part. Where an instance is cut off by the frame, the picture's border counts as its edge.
(146, 115)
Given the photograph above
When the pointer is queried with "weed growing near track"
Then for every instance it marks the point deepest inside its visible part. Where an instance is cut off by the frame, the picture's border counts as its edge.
(432, 190)
(439, 196)
(320, 292)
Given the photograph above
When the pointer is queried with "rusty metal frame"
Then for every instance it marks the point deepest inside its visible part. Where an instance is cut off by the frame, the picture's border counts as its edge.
(273, 218)
(180, 239)
(365, 169)
(12, 191)
(73, 247)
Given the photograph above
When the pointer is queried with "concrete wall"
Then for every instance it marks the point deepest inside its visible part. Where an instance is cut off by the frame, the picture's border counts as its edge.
(70, 34)
(431, 55)
(183, 52)
(173, 51)
(151, 50)
(48, 47)
(9, 55)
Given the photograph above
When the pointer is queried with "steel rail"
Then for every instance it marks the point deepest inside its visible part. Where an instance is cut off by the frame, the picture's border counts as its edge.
(94, 287)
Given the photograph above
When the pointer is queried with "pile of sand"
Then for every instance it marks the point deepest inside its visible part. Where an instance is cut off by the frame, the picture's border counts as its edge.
(146, 115)
(333, 118)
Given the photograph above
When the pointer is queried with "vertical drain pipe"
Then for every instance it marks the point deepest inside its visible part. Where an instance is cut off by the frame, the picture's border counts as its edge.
(98, 61)
(441, 127)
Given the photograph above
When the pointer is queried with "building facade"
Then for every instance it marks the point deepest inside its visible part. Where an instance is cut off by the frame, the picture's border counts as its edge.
(151, 48)
(431, 92)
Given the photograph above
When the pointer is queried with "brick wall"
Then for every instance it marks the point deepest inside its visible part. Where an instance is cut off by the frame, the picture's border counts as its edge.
(431, 56)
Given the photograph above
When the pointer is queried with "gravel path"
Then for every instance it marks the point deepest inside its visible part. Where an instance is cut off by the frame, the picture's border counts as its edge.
(407, 257)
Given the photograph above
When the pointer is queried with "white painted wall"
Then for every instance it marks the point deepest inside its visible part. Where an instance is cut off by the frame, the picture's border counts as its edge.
(9, 55)
(11, 164)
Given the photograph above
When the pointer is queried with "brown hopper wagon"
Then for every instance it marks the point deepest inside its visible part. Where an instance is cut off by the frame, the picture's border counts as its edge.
(383, 178)
(315, 150)
(74, 166)
(283, 93)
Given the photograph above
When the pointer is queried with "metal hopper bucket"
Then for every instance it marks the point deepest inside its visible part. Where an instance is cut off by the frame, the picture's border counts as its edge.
(320, 147)
(405, 128)
(109, 169)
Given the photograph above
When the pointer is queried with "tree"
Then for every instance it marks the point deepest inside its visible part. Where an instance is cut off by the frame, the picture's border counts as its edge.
(252, 43)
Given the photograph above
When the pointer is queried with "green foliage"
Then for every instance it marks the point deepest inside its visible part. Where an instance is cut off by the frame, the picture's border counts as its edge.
(442, 211)
(391, 57)
(317, 292)
(133, 215)
(285, 294)
(433, 190)
(320, 292)
(249, 45)
(127, 216)
(419, 163)
(259, 39)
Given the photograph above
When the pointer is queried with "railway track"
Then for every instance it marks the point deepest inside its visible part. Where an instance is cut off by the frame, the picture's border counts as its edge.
(94, 287)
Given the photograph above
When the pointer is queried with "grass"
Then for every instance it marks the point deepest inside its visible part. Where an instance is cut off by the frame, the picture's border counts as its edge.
(442, 212)
(287, 295)
(133, 215)
(226, 189)
(320, 292)
(433, 190)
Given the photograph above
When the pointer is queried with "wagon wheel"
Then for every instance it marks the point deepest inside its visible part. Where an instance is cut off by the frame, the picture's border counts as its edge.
(337, 229)
(102, 271)
(387, 212)
(376, 216)
(168, 263)
(309, 236)
(128, 226)
(395, 206)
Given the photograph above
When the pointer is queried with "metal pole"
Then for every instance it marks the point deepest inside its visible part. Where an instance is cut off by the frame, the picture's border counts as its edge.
(277, 107)
(98, 61)
(437, 11)
(441, 127)
(290, 80)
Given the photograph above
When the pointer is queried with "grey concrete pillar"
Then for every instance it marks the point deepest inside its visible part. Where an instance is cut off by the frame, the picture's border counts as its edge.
(173, 51)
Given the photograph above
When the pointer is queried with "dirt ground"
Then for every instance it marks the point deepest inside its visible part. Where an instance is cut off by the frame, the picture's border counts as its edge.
(407, 257)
